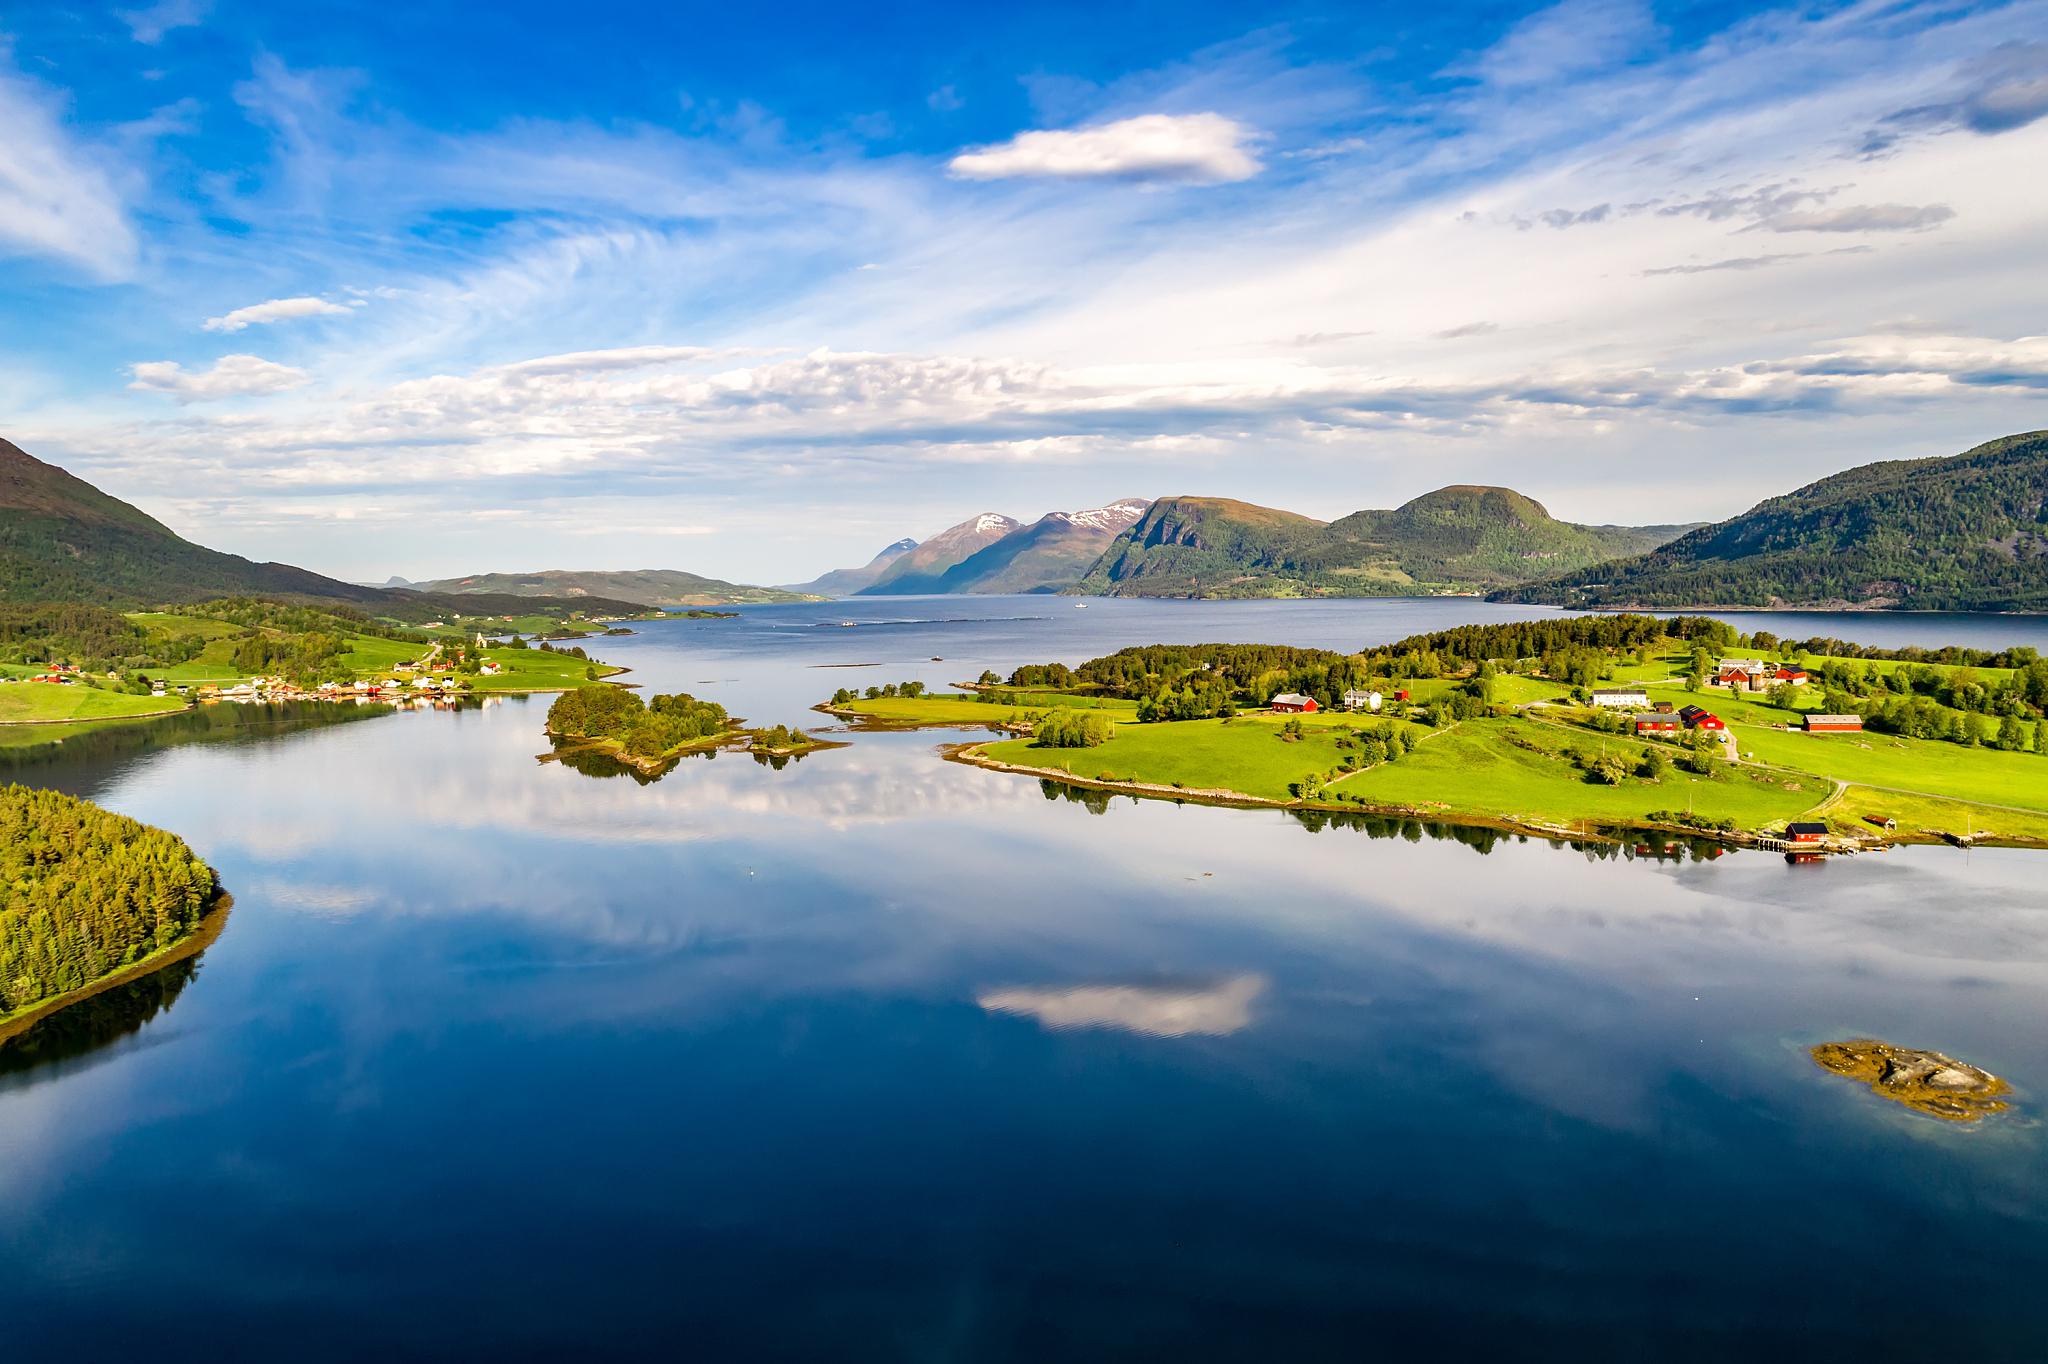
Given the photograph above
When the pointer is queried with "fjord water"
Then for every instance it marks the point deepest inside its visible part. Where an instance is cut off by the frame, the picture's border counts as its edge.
(877, 1056)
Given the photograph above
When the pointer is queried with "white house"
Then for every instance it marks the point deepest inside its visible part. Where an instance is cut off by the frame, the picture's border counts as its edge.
(1621, 698)
(1361, 700)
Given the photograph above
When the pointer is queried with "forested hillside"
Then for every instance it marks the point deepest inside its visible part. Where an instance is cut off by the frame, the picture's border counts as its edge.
(1961, 533)
(1458, 539)
(85, 892)
(63, 540)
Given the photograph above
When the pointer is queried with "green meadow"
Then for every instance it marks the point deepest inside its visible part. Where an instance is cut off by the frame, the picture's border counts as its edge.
(1932, 766)
(533, 670)
(24, 703)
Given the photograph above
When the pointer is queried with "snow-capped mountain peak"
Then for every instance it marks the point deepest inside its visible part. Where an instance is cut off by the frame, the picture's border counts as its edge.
(1115, 517)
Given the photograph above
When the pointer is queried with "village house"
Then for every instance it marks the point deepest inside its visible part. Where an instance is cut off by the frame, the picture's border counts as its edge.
(1755, 674)
(1698, 717)
(1834, 724)
(1361, 700)
(1621, 698)
(1805, 832)
(1293, 702)
(1653, 723)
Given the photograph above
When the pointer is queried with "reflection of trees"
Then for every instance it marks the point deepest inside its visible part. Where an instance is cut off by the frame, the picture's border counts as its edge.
(226, 723)
(1089, 798)
(93, 1023)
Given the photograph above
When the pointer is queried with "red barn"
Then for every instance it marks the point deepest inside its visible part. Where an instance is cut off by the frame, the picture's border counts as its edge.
(1711, 722)
(1293, 702)
(1834, 724)
(1659, 724)
(1806, 833)
(1401, 695)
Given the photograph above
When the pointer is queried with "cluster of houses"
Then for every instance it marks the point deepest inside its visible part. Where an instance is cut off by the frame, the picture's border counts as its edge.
(1665, 719)
(1756, 674)
(1294, 703)
(61, 674)
(423, 687)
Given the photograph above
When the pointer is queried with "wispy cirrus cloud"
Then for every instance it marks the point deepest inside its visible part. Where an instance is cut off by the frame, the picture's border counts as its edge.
(58, 198)
(272, 311)
(149, 24)
(1151, 148)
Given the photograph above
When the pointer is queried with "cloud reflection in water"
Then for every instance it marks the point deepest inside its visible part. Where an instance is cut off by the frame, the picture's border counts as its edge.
(1154, 1010)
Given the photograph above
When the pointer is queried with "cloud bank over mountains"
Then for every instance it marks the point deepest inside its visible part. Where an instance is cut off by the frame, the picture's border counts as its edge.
(1584, 253)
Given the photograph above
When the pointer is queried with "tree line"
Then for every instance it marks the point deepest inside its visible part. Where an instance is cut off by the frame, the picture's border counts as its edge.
(86, 892)
(646, 729)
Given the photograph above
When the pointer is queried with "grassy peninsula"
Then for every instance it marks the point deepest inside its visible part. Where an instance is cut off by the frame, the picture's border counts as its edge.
(1565, 725)
(88, 894)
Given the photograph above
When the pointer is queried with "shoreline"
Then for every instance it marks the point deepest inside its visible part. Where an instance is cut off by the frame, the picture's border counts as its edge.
(211, 925)
(973, 754)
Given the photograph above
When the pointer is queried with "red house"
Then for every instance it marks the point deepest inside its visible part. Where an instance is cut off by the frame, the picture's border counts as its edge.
(1293, 702)
(1834, 724)
(1711, 722)
(1401, 695)
(1805, 833)
(1659, 724)
(1698, 717)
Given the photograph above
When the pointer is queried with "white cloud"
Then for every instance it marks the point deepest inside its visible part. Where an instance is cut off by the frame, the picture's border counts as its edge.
(232, 376)
(275, 310)
(149, 25)
(1184, 148)
(56, 197)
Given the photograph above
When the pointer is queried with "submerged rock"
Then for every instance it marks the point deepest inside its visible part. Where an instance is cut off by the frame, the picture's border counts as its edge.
(1924, 1081)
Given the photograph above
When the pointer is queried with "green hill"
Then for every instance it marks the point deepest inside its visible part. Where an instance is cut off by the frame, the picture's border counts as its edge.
(63, 540)
(654, 586)
(1967, 532)
(1458, 539)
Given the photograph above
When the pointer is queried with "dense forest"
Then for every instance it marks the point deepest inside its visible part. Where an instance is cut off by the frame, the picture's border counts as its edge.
(68, 632)
(1963, 533)
(87, 892)
(644, 729)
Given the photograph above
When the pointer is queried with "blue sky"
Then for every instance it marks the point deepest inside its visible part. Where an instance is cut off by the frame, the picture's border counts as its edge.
(412, 290)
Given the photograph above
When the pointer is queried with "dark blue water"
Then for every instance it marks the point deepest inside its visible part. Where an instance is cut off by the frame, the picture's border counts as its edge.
(880, 1057)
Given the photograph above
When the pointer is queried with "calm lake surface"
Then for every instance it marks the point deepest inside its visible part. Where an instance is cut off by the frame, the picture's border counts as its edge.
(881, 1057)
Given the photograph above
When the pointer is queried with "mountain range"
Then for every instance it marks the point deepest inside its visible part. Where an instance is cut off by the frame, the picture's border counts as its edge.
(1965, 532)
(994, 553)
(1456, 539)
(652, 586)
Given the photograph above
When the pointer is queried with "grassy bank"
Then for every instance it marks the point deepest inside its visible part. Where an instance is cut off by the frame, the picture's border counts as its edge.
(1530, 768)
(46, 703)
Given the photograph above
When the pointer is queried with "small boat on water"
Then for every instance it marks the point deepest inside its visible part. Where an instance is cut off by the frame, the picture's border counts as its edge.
(1080, 606)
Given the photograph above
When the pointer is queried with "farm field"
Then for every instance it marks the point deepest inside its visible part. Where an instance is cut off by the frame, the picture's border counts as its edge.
(1932, 766)
(534, 670)
(24, 703)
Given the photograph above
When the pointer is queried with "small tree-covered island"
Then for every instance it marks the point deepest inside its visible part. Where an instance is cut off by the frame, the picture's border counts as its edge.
(1572, 725)
(652, 735)
(89, 896)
